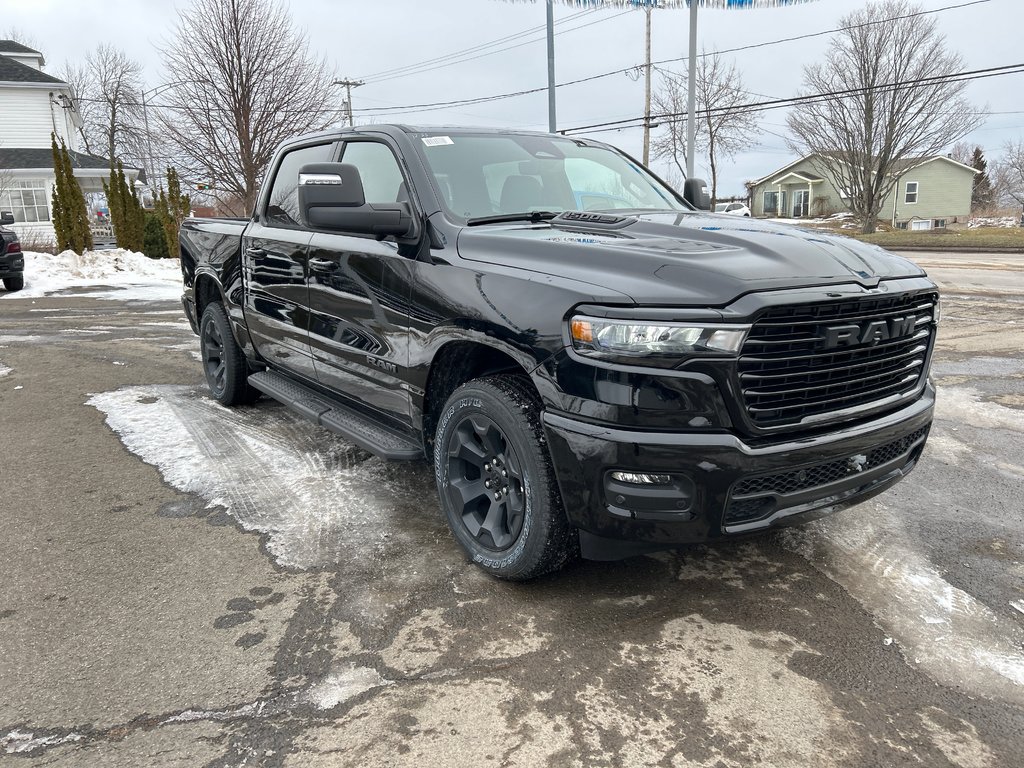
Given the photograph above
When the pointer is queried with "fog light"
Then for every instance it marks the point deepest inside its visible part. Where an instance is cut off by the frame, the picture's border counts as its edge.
(637, 478)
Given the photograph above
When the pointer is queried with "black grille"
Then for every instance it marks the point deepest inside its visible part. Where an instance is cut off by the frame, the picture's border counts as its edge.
(753, 497)
(788, 371)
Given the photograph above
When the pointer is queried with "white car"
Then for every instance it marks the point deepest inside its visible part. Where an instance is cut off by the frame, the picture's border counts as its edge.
(733, 209)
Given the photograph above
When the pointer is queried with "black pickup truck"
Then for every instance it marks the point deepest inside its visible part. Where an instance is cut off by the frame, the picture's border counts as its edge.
(593, 363)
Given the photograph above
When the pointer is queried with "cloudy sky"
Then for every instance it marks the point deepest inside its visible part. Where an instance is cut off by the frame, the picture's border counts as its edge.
(363, 39)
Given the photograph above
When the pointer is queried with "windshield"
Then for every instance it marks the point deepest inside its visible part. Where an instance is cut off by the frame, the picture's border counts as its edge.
(480, 175)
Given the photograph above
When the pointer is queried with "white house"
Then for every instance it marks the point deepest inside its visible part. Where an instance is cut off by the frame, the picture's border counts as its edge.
(34, 104)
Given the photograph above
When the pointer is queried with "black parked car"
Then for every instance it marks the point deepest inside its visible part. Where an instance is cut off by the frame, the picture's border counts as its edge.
(12, 261)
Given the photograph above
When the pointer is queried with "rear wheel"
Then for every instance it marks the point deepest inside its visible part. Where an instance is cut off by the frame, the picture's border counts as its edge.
(14, 283)
(224, 362)
(496, 483)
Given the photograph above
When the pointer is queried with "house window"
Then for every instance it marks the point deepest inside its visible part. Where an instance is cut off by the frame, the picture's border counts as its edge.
(940, 223)
(911, 192)
(26, 200)
(771, 202)
(920, 224)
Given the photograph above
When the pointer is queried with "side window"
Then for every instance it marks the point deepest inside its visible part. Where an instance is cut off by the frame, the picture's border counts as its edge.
(911, 196)
(283, 206)
(379, 170)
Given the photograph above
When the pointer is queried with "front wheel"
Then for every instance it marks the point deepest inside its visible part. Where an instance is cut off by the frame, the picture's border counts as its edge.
(224, 362)
(14, 283)
(496, 483)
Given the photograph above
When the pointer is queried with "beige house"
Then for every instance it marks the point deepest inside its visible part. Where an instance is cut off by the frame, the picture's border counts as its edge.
(930, 192)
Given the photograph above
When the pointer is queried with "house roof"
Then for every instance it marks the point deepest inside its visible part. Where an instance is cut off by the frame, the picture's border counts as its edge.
(12, 71)
(800, 175)
(915, 162)
(13, 46)
(12, 158)
(899, 168)
(786, 167)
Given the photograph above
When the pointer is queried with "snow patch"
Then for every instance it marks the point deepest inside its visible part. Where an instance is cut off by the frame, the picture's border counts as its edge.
(339, 687)
(956, 637)
(319, 499)
(122, 275)
(993, 221)
(17, 742)
(4, 370)
(963, 405)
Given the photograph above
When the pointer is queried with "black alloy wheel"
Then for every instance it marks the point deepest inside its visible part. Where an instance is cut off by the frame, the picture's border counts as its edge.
(485, 482)
(224, 362)
(496, 483)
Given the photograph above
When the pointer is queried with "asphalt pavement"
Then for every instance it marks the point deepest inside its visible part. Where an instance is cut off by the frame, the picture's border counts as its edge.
(186, 585)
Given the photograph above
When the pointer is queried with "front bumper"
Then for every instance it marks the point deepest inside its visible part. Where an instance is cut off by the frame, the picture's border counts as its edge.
(12, 264)
(722, 486)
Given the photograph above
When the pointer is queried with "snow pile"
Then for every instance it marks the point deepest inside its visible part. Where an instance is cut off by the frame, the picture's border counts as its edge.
(993, 221)
(125, 275)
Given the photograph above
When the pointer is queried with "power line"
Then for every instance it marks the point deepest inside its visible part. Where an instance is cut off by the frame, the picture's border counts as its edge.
(475, 48)
(525, 92)
(431, 106)
(976, 74)
(499, 50)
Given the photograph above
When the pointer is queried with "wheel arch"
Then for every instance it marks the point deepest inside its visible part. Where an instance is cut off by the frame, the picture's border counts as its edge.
(207, 289)
(458, 361)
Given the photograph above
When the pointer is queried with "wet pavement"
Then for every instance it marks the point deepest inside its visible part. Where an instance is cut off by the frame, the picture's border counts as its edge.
(184, 584)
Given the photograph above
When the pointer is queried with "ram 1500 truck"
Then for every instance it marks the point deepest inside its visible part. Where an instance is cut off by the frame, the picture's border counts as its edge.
(593, 363)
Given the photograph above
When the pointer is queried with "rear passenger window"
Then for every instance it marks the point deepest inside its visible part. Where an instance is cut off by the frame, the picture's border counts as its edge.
(378, 169)
(283, 207)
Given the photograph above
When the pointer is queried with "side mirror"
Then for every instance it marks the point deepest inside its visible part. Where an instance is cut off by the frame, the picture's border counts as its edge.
(6, 217)
(331, 197)
(695, 192)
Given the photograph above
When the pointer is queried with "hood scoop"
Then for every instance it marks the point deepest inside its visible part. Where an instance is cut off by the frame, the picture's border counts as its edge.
(586, 220)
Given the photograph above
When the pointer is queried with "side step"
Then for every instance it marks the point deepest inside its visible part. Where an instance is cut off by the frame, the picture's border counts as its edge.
(336, 417)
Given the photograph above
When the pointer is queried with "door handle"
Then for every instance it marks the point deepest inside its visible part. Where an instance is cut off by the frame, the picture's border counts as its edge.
(323, 265)
(255, 252)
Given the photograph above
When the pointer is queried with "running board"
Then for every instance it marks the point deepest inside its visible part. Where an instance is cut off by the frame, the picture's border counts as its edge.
(336, 417)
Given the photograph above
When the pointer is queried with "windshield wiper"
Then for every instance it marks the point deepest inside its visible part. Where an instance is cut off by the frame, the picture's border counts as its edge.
(532, 216)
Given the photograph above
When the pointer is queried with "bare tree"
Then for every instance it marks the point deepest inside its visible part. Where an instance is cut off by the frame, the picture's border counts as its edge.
(6, 184)
(1008, 174)
(962, 152)
(898, 102)
(108, 87)
(242, 79)
(723, 126)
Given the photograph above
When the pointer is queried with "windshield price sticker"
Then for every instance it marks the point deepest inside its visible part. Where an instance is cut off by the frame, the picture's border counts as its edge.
(437, 141)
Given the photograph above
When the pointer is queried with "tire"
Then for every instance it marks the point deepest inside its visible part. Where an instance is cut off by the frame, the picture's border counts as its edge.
(496, 483)
(223, 361)
(14, 283)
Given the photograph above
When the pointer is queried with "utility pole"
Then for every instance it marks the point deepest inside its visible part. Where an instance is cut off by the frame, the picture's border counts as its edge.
(349, 85)
(691, 94)
(647, 87)
(551, 65)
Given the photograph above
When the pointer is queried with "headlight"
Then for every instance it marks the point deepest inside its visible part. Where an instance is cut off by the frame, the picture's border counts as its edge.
(662, 344)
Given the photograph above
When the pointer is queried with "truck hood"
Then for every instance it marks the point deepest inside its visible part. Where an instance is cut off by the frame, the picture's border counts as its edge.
(684, 258)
